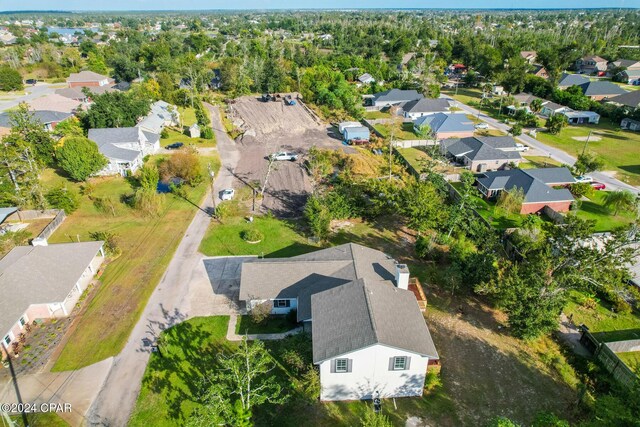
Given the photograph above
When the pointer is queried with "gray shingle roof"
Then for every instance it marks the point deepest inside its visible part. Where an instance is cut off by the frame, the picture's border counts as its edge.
(601, 88)
(483, 148)
(572, 80)
(40, 274)
(43, 116)
(441, 122)
(5, 212)
(301, 276)
(426, 105)
(71, 93)
(85, 76)
(535, 183)
(630, 99)
(106, 139)
(397, 95)
(367, 312)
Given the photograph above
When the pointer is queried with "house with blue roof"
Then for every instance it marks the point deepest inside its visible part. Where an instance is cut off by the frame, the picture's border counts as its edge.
(446, 125)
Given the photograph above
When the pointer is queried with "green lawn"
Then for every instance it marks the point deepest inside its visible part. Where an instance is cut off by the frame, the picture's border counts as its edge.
(147, 247)
(280, 238)
(472, 98)
(619, 149)
(372, 115)
(534, 162)
(594, 209)
(42, 419)
(414, 156)
(273, 325)
(631, 359)
(188, 115)
(406, 133)
(175, 136)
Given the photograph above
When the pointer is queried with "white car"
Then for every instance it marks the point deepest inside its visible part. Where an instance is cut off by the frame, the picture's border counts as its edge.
(521, 147)
(584, 178)
(283, 155)
(482, 126)
(227, 194)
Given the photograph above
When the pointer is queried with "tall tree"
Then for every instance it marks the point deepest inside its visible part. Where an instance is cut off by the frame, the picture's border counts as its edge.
(79, 157)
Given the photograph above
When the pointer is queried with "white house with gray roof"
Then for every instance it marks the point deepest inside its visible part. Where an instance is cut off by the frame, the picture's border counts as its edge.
(393, 97)
(369, 335)
(482, 153)
(425, 106)
(43, 282)
(124, 148)
(162, 114)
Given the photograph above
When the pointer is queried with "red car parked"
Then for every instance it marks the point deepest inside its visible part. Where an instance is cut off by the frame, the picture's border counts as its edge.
(598, 186)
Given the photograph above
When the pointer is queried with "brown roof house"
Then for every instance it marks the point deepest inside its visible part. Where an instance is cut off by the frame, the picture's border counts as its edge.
(55, 102)
(591, 64)
(88, 79)
(369, 336)
(43, 282)
(529, 55)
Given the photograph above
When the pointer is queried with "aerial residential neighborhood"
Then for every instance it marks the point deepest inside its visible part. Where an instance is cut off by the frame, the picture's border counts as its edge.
(320, 215)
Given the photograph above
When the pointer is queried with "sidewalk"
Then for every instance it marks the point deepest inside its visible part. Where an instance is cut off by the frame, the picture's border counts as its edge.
(232, 336)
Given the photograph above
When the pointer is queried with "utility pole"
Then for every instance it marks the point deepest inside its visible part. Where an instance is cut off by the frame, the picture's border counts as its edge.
(213, 193)
(586, 142)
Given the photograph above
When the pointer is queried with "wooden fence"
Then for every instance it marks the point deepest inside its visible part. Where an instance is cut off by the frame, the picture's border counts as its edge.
(53, 225)
(603, 353)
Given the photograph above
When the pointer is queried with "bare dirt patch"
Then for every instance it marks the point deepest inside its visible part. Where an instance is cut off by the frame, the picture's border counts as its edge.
(592, 138)
(270, 127)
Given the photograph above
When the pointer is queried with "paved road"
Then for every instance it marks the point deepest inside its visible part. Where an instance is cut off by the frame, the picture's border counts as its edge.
(33, 92)
(170, 303)
(554, 153)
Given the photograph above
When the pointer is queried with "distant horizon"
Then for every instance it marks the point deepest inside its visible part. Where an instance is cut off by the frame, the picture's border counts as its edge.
(80, 6)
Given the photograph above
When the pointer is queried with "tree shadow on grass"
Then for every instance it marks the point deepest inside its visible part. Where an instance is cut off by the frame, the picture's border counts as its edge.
(634, 169)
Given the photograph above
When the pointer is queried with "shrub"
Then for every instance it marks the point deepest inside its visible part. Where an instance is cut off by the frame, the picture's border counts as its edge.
(164, 134)
(294, 360)
(310, 384)
(261, 312)
(149, 202)
(184, 164)
(581, 189)
(621, 306)
(252, 235)
(111, 242)
(63, 198)
(106, 204)
(292, 317)
(206, 132)
(10, 79)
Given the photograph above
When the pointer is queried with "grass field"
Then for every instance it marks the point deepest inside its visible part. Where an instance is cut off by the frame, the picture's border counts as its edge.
(175, 136)
(415, 156)
(43, 419)
(273, 325)
(631, 359)
(280, 238)
(147, 247)
(619, 149)
(406, 133)
(372, 115)
(534, 162)
(605, 219)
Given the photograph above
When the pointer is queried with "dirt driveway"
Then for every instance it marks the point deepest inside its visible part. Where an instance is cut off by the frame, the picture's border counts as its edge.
(270, 127)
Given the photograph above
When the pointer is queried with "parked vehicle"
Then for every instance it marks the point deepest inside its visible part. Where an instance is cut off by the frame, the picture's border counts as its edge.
(174, 146)
(521, 147)
(584, 178)
(598, 185)
(227, 194)
(31, 81)
(283, 155)
(482, 126)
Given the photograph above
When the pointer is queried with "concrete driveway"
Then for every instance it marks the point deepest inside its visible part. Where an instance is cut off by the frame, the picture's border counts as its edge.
(224, 281)
(32, 92)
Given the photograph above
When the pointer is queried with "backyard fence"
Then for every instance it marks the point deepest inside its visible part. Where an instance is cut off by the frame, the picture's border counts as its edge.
(409, 143)
(28, 215)
(368, 124)
(453, 193)
(605, 353)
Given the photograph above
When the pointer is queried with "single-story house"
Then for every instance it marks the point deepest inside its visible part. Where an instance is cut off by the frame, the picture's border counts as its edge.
(630, 99)
(393, 97)
(446, 125)
(629, 64)
(567, 80)
(162, 114)
(523, 101)
(425, 106)
(369, 337)
(74, 93)
(88, 78)
(482, 153)
(125, 148)
(631, 77)
(581, 117)
(630, 124)
(356, 132)
(539, 70)
(49, 120)
(43, 282)
(630, 70)
(537, 185)
(366, 79)
(599, 90)
(550, 108)
(591, 64)
(55, 102)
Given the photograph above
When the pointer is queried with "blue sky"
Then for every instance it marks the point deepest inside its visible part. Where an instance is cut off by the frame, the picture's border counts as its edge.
(298, 4)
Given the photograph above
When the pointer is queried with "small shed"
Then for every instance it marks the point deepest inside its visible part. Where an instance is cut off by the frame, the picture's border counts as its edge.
(356, 132)
(194, 131)
(342, 126)
(630, 124)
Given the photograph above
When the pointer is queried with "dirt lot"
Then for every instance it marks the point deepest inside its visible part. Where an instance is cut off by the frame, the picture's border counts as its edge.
(270, 127)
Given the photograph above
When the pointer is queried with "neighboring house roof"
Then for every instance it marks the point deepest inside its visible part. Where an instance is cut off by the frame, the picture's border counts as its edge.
(477, 148)
(631, 73)
(71, 93)
(426, 105)
(535, 183)
(40, 275)
(441, 122)
(572, 80)
(526, 54)
(107, 138)
(577, 114)
(366, 312)
(594, 58)
(301, 276)
(99, 90)
(366, 78)
(599, 88)
(43, 116)
(553, 106)
(630, 99)
(525, 98)
(86, 76)
(152, 122)
(54, 102)
(397, 95)
(5, 212)
(626, 63)
(537, 68)
(159, 114)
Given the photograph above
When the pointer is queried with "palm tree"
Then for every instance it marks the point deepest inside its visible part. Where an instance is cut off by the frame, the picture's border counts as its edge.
(620, 199)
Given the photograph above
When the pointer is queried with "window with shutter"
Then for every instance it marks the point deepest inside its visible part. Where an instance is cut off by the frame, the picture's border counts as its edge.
(342, 365)
(399, 363)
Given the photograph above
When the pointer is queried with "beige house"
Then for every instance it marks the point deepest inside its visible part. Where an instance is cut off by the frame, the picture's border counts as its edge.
(43, 282)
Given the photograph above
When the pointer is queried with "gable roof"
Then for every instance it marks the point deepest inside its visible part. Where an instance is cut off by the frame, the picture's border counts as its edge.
(630, 99)
(71, 93)
(594, 58)
(483, 148)
(301, 276)
(599, 87)
(366, 77)
(626, 63)
(533, 182)
(443, 122)
(364, 313)
(525, 98)
(426, 105)
(40, 274)
(107, 138)
(86, 76)
(43, 116)
(54, 102)
(572, 80)
(397, 95)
